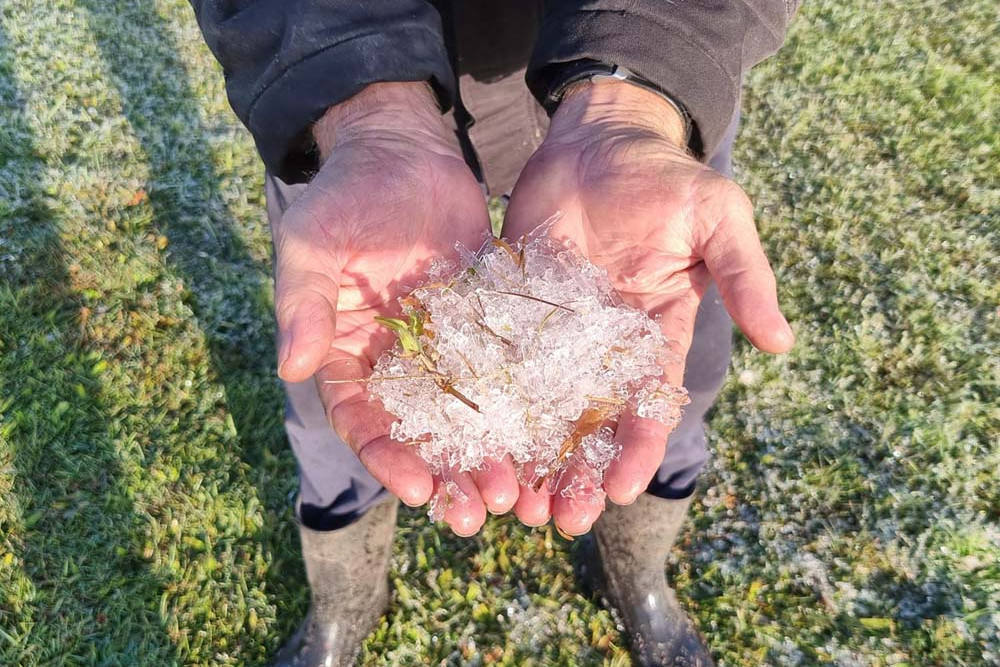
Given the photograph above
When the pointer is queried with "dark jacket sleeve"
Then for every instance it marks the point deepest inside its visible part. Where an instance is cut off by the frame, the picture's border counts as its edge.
(287, 61)
(697, 51)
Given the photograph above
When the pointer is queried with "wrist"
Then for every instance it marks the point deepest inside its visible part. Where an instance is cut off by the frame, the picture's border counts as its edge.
(384, 109)
(613, 103)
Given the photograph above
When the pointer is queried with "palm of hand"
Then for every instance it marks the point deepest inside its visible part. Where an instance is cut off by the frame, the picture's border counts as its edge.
(373, 220)
(663, 226)
(638, 207)
(358, 238)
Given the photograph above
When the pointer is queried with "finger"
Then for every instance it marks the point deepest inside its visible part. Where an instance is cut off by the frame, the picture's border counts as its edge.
(306, 311)
(398, 468)
(580, 500)
(466, 512)
(533, 508)
(364, 425)
(644, 443)
(497, 484)
(737, 262)
(677, 320)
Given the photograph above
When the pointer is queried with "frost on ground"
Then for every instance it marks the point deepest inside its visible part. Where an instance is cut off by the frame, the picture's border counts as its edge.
(526, 351)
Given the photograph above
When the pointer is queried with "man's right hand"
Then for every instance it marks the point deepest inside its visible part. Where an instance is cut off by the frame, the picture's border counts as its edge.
(393, 194)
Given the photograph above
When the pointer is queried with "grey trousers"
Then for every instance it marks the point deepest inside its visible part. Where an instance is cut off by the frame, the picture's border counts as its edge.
(335, 488)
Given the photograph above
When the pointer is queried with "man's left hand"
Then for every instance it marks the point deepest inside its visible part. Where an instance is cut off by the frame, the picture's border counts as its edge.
(664, 226)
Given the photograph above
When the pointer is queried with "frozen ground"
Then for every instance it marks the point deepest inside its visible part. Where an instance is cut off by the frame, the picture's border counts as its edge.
(850, 515)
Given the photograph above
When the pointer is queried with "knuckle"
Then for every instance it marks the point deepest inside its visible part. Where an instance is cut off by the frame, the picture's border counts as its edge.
(307, 301)
(736, 198)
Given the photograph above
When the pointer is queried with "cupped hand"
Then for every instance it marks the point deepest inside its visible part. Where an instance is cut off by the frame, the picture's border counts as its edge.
(392, 195)
(633, 200)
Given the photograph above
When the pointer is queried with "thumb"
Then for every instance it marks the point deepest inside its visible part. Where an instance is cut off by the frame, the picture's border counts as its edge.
(737, 262)
(306, 311)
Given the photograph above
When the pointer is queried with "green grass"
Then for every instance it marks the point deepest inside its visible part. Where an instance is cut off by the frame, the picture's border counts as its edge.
(851, 514)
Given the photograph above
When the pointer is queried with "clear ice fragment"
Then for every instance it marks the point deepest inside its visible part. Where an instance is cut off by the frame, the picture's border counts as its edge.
(447, 496)
(525, 350)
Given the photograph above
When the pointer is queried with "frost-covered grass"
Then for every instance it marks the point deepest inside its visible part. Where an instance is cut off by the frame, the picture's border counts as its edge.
(850, 515)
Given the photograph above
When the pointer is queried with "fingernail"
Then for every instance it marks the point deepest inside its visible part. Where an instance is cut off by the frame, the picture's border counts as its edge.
(467, 526)
(285, 351)
(628, 500)
(789, 333)
(502, 511)
(414, 497)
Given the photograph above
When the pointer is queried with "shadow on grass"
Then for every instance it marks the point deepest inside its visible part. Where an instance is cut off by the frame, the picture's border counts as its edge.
(69, 517)
(227, 287)
(228, 293)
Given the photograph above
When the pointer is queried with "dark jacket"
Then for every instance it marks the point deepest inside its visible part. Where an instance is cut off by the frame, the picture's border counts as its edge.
(287, 61)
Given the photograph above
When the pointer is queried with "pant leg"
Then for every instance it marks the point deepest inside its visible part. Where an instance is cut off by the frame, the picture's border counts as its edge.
(334, 488)
(503, 122)
(707, 362)
(508, 127)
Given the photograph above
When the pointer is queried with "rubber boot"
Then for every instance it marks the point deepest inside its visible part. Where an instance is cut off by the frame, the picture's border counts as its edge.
(624, 562)
(348, 576)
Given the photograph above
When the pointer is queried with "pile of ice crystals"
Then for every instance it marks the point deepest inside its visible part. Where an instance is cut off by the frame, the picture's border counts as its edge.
(523, 350)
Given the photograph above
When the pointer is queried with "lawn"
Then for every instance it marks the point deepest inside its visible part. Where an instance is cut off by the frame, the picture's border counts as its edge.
(851, 512)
